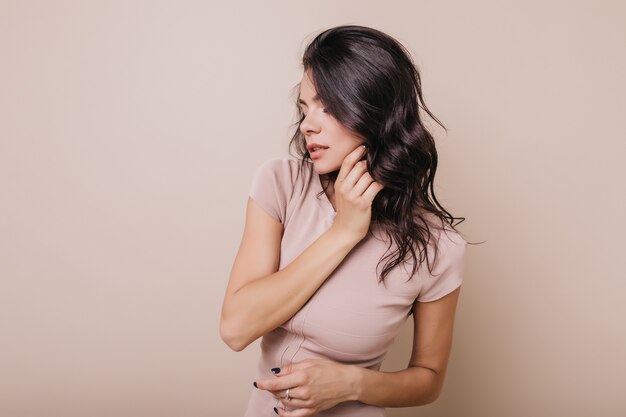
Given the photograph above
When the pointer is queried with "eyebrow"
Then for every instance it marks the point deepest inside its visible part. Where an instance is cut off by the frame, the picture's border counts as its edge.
(316, 98)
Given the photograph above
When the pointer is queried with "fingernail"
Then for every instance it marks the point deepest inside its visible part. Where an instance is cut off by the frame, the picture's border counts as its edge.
(364, 146)
(254, 383)
(275, 410)
(275, 370)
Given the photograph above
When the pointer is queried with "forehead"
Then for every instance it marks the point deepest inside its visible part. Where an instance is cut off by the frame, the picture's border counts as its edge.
(307, 90)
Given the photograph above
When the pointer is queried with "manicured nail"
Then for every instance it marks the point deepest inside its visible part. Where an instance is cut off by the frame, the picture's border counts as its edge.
(275, 370)
(254, 383)
(275, 410)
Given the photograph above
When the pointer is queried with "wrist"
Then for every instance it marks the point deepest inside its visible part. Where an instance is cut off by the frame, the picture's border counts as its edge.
(354, 377)
(346, 239)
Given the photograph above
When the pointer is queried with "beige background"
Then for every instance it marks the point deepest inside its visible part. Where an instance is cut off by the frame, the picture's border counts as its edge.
(129, 133)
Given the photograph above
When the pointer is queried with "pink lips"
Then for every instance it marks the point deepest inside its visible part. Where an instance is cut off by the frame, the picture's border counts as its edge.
(318, 153)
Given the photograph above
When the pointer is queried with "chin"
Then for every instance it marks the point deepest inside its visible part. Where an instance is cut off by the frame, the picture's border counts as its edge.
(325, 168)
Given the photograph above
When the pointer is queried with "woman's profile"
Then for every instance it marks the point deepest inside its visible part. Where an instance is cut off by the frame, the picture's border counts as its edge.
(343, 244)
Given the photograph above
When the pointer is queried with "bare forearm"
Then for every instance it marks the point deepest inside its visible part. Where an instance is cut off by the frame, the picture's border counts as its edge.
(264, 304)
(409, 387)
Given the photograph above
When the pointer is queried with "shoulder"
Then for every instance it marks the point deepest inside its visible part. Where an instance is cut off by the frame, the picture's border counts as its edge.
(282, 170)
(451, 244)
(272, 186)
(279, 165)
(446, 255)
(276, 162)
(447, 242)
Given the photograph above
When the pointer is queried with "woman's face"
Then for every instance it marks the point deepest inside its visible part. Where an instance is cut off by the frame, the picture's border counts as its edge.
(322, 128)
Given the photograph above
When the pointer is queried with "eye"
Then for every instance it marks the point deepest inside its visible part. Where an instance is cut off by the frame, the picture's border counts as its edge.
(323, 111)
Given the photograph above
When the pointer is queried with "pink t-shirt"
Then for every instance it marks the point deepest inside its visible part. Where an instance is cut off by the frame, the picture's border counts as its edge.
(351, 318)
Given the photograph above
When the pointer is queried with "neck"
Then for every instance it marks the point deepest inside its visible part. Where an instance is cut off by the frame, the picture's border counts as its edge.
(328, 182)
(330, 177)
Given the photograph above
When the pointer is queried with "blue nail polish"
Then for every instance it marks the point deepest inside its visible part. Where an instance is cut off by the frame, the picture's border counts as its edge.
(275, 370)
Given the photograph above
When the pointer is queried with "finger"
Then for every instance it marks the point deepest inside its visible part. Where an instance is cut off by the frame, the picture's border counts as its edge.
(295, 412)
(278, 384)
(292, 403)
(362, 184)
(294, 366)
(277, 394)
(349, 161)
(372, 190)
(298, 397)
(282, 394)
(357, 171)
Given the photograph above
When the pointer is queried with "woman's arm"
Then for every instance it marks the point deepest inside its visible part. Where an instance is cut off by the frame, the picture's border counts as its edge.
(318, 384)
(422, 381)
(258, 298)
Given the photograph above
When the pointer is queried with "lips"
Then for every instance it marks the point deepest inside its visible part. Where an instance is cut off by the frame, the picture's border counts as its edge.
(311, 146)
(319, 151)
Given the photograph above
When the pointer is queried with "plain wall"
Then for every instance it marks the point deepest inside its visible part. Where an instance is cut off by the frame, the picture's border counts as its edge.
(129, 134)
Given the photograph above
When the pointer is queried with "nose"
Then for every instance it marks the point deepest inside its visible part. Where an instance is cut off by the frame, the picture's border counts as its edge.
(309, 125)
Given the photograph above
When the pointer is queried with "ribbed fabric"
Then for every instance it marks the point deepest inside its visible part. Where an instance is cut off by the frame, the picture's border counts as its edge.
(351, 318)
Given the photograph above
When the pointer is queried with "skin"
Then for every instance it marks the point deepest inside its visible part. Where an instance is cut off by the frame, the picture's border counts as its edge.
(317, 385)
(320, 127)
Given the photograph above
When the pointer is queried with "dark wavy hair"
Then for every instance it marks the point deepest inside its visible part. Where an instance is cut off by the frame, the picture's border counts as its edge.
(368, 82)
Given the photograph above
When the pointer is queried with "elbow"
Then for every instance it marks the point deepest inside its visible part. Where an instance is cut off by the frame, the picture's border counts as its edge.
(433, 387)
(434, 396)
(234, 340)
(233, 344)
(428, 397)
(435, 392)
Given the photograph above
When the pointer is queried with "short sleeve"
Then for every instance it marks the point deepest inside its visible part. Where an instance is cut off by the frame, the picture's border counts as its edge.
(448, 269)
(271, 187)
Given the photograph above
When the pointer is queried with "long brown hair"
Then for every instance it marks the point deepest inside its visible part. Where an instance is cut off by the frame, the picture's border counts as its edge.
(368, 82)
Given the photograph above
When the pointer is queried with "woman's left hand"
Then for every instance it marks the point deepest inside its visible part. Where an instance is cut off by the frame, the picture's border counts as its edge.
(314, 385)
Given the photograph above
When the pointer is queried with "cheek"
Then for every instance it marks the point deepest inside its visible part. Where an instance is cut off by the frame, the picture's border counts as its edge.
(343, 151)
(338, 156)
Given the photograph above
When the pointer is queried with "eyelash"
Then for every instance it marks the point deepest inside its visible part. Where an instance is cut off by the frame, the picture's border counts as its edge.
(323, 111)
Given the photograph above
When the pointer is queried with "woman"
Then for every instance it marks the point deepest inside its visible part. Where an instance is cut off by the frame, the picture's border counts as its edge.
(306, 277)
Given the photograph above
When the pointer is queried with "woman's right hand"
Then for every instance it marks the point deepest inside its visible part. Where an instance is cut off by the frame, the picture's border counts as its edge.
(355, 190)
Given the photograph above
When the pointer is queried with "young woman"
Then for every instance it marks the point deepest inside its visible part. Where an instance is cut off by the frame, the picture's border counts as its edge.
(342, 245)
